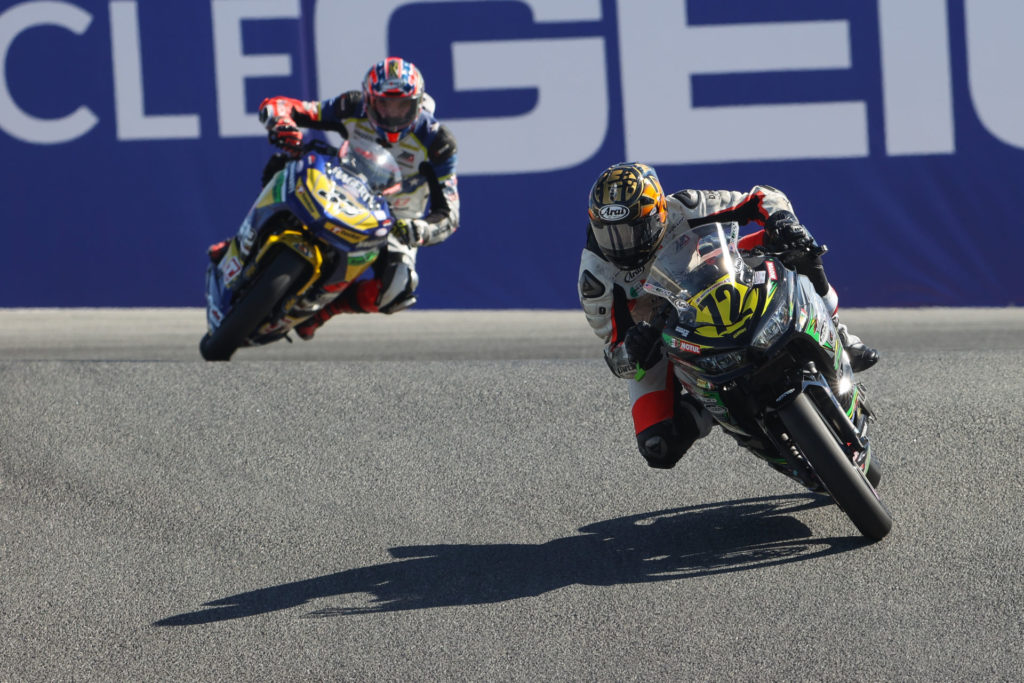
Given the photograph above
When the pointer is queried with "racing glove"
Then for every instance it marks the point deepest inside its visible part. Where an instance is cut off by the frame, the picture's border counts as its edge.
(784, 231)
(286, 135)
(277, 116)
(412, 232)
(643, 346)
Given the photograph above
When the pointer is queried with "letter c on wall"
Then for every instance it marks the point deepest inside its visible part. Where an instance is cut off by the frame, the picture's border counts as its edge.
(13, 120)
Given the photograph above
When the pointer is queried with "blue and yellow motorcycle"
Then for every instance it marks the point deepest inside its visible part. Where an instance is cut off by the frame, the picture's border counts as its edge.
(319, 223)
(751, 339)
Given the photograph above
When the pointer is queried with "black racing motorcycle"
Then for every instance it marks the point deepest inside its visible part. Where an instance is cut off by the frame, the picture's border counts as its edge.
(753, 341)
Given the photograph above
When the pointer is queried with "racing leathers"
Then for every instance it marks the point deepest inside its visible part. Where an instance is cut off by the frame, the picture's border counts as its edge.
(426, 206)
(666, 420)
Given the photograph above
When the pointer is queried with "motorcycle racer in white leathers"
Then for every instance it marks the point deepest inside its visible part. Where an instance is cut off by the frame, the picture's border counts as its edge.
(394, 110)
(630, 216)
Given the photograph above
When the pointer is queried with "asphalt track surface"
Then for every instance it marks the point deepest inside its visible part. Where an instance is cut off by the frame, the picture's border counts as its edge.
(439, 496)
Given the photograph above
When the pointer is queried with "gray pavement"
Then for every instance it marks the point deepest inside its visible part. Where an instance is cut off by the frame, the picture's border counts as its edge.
(474, 509)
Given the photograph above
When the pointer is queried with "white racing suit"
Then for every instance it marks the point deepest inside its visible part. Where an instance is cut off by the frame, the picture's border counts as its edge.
(666, 421)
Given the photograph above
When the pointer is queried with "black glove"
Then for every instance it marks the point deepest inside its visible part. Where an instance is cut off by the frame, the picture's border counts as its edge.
(643, 345)
(784, 231)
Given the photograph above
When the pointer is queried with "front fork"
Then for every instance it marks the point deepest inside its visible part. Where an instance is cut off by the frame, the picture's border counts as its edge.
(848, 423)
(230, 275)
(298, 243)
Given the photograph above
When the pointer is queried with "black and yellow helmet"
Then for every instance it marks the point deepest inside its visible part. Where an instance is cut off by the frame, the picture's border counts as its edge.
(628, 213)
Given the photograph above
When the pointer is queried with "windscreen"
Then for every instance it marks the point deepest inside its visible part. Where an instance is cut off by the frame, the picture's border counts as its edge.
(692, 262)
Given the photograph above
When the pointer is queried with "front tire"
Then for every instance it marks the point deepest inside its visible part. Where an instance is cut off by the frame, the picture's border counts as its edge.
(256, 305)
(845, 482)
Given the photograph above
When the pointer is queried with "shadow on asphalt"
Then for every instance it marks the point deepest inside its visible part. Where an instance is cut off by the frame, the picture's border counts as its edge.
(668, 545)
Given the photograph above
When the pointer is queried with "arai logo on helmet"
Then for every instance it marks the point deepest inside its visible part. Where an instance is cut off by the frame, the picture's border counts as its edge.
(613, 212)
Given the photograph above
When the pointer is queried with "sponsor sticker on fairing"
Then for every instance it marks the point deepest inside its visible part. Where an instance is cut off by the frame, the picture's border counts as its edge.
(230, 268)
(771, 270)
(685, 346)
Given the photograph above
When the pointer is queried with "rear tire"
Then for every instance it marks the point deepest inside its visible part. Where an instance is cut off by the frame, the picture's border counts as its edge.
(256, 305)
(845, 482)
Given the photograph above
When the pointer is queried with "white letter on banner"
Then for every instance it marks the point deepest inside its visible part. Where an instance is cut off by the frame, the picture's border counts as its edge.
(916, 77)
(995, 57)
(233, 66)
(129, 100)
(566, 127)
(660, 53)
(13, 120)
(530, 142)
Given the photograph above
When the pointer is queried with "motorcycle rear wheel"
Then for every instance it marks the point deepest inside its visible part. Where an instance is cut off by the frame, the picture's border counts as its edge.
(255, 306)
(849, 487)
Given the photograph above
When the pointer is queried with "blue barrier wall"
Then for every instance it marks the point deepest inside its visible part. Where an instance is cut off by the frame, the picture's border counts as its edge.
(129, 140)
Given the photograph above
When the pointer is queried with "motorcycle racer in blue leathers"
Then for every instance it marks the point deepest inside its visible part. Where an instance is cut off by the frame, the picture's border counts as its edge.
(393, 109)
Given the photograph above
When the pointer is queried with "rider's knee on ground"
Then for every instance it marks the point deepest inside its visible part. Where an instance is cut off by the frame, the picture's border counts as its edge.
(662, 446)
(664, 443)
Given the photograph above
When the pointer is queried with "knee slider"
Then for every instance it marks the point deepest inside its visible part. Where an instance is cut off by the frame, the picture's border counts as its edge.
(664, 443)
(661, 446)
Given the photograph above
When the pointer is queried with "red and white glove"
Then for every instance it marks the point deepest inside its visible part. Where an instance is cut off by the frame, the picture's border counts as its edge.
(286, 135)
(276, 116)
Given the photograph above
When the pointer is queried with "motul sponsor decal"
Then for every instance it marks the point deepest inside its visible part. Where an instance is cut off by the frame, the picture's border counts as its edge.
(685, 346)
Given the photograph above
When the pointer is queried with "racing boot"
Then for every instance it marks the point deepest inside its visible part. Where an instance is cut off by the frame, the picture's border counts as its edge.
(216, 251)
(360, 297)
(861, 355)
(307, 328)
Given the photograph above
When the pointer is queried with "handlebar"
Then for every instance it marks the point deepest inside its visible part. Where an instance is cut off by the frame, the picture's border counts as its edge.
(319, 146)
(787, 254)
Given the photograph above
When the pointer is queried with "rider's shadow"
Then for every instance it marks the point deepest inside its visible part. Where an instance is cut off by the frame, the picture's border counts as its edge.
(658, 546)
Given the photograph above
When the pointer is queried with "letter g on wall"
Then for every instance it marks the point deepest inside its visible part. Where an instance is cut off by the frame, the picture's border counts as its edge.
(531, 142)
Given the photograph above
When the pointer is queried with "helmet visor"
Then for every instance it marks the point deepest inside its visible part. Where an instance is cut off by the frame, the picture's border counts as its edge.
(394, 113)
(628, 245)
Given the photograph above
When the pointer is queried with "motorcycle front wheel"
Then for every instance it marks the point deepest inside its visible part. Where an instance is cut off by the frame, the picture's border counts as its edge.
(849, 487)
(256, 305)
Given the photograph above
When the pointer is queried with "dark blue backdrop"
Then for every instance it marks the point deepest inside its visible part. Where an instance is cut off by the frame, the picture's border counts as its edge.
(117, 176)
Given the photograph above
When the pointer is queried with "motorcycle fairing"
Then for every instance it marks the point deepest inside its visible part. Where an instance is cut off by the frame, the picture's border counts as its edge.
(722, 318)
(727, 308)
(325, 205)
(328, 197)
